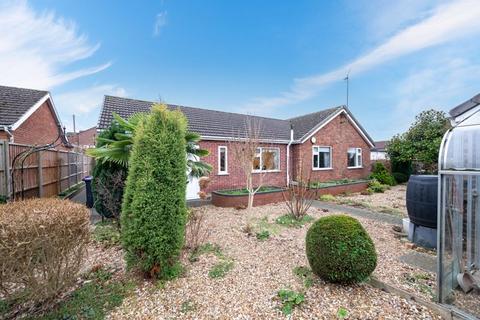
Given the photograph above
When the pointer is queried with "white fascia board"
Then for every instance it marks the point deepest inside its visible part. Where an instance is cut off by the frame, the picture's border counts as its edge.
(34, 108)
(355, 125)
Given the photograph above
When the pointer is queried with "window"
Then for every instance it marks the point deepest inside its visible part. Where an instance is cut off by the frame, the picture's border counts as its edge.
(267, 159)
(222, 160)
(321, 158)
(354, 157)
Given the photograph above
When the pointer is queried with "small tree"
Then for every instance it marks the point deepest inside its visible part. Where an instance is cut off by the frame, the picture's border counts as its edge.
(421, 143)
(245, 150)
(154, 208)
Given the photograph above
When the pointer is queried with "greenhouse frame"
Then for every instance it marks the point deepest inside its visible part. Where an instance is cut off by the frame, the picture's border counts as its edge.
(458, 241)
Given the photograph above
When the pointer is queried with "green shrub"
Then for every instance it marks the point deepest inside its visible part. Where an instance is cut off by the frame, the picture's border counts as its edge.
(154, 209)
(108, 179)
(377, 187)
(381, 174)
(340, 250)
(400, 177)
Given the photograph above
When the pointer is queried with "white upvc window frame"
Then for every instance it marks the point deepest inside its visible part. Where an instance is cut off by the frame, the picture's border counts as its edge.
(358, 158)
(261, 160)
(318, 154)
(225, 172)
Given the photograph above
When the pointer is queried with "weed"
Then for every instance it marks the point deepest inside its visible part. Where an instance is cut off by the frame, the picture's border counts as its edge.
(93, 300)
(4, 307)
(290, 299)
(206, 248)
(263, 235)
(342, 313)
(327, 198)
(220, 269)
(187, 306)
(305, 274)
(107, 234)
(290, 221)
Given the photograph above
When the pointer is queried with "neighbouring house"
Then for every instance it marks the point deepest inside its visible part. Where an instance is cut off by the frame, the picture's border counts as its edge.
(379, 152)
(83, 139)
(329, 144)
(29, 117)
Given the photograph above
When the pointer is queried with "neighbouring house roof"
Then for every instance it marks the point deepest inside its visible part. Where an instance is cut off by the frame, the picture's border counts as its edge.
(380, 146)
(224, 125)
(15, 102)
(18, 104)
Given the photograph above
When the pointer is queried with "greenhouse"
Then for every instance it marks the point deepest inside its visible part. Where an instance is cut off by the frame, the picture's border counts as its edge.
(458, 274)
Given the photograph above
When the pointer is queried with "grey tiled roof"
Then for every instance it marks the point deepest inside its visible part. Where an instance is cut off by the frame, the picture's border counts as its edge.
(219, 124)
(205, 122)
(15, 102)
(303, 125)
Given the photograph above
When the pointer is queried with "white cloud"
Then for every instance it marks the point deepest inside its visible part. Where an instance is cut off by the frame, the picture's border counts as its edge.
(438, 85)
(445, 23)
(86, 100)
(160, 22)
(36, 47)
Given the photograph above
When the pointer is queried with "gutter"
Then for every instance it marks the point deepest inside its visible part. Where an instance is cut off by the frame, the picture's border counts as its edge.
(288, 154)
(7, 130)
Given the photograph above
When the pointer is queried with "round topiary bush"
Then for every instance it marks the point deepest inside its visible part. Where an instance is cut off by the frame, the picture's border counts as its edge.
(340, 250)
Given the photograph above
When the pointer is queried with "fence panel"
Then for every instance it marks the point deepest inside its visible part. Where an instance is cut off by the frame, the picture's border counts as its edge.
(39, 174)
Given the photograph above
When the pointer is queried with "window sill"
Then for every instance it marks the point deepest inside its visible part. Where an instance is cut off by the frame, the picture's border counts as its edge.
(266, 171)
(321, 169)
(355, 167)
(222, 174)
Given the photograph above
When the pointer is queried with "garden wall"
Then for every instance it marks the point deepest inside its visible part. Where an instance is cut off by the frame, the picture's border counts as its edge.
(227, 200)
(344, 188)
(260, 199)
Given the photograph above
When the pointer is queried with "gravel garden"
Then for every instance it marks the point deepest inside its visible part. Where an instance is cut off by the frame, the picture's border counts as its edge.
(160, 260)
(249, 257)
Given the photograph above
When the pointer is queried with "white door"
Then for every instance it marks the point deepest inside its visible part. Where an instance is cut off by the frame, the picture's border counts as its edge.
(193, 188)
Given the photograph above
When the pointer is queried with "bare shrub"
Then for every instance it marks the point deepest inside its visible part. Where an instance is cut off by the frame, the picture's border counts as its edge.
(299, 196)
(42, 246)
(196, 232)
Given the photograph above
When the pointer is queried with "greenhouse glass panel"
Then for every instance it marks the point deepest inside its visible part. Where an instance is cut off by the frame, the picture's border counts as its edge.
(458, 270)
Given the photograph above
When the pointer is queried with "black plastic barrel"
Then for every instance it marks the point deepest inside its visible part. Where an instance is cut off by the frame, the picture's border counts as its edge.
(88, 191)
(422, 191)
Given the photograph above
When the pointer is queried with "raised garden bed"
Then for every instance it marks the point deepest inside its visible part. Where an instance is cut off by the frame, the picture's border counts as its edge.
(239, 197)
(335, 187)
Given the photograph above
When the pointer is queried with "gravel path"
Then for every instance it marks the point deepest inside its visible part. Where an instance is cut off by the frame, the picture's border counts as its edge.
(261, 268)
(394, 198)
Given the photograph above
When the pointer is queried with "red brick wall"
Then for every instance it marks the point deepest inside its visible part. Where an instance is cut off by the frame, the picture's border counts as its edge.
(339, 134)
(236, 178)
(39, 128)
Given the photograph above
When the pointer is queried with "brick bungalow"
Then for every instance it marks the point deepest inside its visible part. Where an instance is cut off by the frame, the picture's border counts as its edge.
(329, 144)
(29, 116)
(83, 139)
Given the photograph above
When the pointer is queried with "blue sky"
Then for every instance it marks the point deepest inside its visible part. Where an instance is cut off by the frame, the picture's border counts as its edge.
(270, 58)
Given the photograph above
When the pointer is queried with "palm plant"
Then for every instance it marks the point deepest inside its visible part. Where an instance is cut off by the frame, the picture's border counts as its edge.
(117, 150)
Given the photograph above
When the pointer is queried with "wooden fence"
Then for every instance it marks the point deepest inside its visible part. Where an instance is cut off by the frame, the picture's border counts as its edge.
(45, 173)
